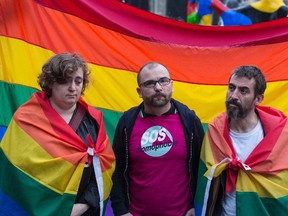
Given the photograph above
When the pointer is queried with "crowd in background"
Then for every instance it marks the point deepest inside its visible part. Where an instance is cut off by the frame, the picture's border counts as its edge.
(177, 9)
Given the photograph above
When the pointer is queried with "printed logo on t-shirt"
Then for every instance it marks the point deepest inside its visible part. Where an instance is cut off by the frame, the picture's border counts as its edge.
(156, 141)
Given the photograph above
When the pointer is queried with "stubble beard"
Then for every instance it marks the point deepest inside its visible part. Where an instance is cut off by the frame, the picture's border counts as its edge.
(164, 99)
(235, 110)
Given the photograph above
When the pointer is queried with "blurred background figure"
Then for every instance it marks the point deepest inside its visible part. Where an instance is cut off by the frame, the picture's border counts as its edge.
(142, 4)
(215, 12)
(233, 13)
(176, 9)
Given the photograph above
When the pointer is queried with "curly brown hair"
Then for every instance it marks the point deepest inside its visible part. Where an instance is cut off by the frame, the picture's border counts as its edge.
(57, 69)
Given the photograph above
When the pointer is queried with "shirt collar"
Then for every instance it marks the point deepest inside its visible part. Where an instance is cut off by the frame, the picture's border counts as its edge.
(144, 114)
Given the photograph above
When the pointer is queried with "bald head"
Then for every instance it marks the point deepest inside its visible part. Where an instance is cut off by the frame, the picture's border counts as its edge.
(151, 66)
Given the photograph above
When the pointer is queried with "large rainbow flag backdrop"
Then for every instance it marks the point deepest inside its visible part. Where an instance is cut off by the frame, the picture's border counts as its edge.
(117, 39)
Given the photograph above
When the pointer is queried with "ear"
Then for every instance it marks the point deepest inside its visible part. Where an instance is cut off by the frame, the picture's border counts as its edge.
(259, 99)
(139, 92)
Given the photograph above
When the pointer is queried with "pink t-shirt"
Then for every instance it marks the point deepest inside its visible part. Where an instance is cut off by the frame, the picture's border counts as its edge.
(159, 178)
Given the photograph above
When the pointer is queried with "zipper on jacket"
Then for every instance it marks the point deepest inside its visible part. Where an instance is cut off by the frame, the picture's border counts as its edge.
(190, 163)
(126, 165)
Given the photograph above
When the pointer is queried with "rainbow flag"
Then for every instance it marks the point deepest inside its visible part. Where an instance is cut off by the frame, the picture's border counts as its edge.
(42, 160)
(260, 181)
(117, 39)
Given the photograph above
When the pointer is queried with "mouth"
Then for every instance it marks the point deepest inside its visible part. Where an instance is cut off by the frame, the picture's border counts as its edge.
(232, 103)
(71, 96)
(159, 95)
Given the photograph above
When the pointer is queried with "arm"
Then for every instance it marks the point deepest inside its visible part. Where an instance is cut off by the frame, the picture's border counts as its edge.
(78, 209)
(196, 149)
(191, 212)
(119, 196)
(198, 140)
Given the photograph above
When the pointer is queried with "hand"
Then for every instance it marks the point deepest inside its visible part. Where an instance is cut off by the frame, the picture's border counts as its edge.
(191, 212)
(127, 214)
(78, 209)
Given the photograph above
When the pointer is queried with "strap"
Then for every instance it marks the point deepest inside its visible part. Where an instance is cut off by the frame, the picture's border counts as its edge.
(77, 117)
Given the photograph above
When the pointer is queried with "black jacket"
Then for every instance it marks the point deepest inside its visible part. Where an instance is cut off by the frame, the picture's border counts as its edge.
(194, 134)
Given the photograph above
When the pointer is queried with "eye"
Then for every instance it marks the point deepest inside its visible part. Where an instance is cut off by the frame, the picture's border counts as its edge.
(164, 81)
(231, 88)
(149, 83)
(244, 90)
(61, 81)
(78, 81)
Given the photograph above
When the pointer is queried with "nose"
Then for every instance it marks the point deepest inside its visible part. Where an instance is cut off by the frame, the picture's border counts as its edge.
(233, 94)
(72, 86)
(157, 86)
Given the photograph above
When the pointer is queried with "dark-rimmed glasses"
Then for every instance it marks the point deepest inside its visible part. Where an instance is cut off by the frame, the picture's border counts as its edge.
(164, 81)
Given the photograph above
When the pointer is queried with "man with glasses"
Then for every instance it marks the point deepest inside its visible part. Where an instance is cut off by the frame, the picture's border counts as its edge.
(157, 148)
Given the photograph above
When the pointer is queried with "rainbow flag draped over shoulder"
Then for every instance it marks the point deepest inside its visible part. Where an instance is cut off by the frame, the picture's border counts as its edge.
(42, 160)
(261, 181)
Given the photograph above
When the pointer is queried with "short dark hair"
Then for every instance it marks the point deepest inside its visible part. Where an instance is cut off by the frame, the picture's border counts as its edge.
(250, 71)
(57, 69)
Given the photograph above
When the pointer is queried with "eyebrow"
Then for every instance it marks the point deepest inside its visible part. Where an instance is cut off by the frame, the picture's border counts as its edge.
(157, 79)
(240, 87)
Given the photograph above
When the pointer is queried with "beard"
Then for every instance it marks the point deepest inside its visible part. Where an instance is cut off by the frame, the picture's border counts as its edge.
(159, 100)
(235, 110)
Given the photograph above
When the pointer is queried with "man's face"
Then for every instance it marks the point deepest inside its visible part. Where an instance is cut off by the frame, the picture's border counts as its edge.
(160, 94)
(240, 98)
(67, 94)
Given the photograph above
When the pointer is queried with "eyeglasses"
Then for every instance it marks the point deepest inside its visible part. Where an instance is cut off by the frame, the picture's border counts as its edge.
(164, 81)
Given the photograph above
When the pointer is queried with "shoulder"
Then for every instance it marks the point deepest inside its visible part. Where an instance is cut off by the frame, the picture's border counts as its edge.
(131, 112)
(219, 121)
(129, 115)
(33, 105)
(183, 109)
(93, 111)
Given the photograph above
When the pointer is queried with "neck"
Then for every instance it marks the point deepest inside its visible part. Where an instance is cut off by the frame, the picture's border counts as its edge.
(158, 111)
(65, 113)
(244, 125)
